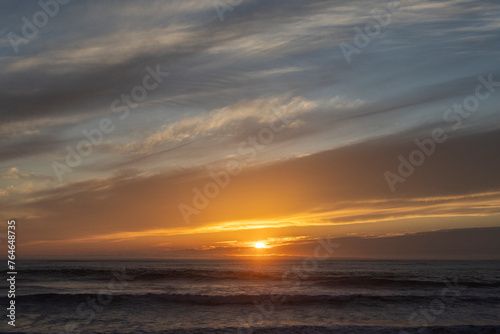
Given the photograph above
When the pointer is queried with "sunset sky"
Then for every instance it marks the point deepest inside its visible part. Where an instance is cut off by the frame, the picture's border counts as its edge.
(216, 126)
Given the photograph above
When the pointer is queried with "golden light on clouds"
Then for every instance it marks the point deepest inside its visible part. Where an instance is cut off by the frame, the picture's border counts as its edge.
(260, 245)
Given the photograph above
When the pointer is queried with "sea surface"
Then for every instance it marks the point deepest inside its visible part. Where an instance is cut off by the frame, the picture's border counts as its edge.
(256, 296)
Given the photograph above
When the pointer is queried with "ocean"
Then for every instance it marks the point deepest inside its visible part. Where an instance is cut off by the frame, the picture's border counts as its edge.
(256, 296)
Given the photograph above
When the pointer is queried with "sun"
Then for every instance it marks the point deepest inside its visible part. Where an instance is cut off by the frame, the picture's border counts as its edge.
(260, 245)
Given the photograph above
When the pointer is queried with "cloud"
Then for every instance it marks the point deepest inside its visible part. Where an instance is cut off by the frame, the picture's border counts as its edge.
(352, 120)
(340, 186)
(481, 244)
(17, 183)
(270, 50)
(236, 120)
(444, 244)
(15, 174)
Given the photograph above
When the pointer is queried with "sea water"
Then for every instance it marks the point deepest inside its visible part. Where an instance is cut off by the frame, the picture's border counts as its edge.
(256, 296)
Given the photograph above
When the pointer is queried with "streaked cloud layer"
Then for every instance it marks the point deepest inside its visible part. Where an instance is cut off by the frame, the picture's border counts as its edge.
(267, 65)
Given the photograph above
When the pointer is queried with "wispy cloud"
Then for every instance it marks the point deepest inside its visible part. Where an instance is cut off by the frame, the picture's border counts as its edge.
(351, 121)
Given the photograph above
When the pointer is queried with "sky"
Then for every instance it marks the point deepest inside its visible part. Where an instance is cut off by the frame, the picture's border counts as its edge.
(196, 128)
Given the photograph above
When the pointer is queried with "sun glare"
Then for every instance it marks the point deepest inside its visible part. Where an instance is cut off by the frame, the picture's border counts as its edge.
(260, 245)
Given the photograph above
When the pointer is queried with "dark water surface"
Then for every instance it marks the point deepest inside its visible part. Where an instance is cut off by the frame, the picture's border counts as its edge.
(256, 296)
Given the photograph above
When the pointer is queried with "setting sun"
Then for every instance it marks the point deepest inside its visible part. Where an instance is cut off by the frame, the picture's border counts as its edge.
(260, 245)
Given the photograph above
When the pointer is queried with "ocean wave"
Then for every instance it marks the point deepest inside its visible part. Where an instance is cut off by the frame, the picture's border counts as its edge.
(375, 282)
(206, 275)
(218, 300)
(148, 274)
(345, 329)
